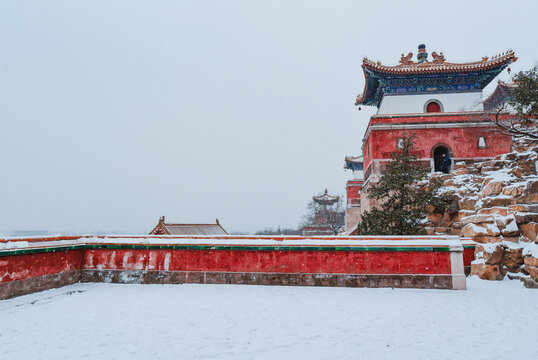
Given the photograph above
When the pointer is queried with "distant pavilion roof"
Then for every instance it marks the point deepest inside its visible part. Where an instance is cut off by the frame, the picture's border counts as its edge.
(325, 198)
(187, 229)
(354, 162)
(502, 92)
(429, 76)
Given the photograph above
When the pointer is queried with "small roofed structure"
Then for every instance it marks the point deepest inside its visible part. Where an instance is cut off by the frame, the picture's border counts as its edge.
(323, 217)
(163, 228)
(497, 99)
(317, 230)
(325, 199)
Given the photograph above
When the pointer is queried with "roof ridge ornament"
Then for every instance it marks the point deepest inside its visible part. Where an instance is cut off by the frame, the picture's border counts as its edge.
(406, 60)
(422, 55)
(438, 58)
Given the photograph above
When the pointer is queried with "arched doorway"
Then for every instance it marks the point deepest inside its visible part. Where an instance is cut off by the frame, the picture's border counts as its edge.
(438, 158)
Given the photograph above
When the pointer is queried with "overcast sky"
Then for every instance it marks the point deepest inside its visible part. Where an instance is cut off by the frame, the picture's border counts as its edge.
(113, 113)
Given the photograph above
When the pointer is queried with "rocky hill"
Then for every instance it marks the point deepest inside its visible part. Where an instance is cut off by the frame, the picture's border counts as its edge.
(496, 204)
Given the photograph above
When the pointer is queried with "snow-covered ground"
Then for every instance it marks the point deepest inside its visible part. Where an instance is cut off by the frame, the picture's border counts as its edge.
(490, 320)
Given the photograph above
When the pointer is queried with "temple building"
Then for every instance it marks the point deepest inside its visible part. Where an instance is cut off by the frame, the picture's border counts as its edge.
(163, 228)
(323, 216)
(353, 190)
(439, 101)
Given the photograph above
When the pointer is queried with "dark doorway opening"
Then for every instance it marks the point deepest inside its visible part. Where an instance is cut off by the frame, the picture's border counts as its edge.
(439, 158)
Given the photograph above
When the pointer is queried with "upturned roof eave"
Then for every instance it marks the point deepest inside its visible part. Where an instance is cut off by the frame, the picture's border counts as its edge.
(373, 71)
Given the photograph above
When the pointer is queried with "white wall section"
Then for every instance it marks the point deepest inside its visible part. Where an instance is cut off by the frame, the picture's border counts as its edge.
(414, 104)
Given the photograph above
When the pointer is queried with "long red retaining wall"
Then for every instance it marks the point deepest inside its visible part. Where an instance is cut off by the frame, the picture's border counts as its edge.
(28, 265)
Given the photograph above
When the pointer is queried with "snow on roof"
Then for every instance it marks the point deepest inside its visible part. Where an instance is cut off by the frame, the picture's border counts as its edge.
(502, 92)
(325, 198)
(163, 228)
(195, 229)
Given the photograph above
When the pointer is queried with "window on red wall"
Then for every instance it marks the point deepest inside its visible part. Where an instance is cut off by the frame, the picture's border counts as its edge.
(433, 107)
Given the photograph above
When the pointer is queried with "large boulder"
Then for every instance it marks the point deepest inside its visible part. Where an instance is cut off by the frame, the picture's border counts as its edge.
(486, 272)
(468, 203)
(530, 253)
(529, 231)
(511, 228)
(526, 162)
(530, 193)
(472, 230)
(513, 259)
(503, 211)
(523, 218)
(485, 239)
(531, 265)
(491, 253)
(513, 190)
(493, 188)
(500, 200)
(463, 213)
(478, 219)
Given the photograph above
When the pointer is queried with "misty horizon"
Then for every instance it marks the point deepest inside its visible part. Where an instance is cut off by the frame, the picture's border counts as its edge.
(113, 114)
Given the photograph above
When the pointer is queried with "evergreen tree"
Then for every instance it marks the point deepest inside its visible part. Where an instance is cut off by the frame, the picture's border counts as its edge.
(403, 204)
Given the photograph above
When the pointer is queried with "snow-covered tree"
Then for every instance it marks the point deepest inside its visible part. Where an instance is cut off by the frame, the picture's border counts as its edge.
(517, 114)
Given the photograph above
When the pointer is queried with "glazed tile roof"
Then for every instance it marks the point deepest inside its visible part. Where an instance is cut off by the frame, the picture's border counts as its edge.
(163, 228)
(354, 162)
(440, 66)
(426, 76)
(499, 95)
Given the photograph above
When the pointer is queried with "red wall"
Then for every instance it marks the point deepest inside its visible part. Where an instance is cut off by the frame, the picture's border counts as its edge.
(463, 142)
(429, 118)
(353, 188)
(349, 262)
(468, 256)
(19, 267)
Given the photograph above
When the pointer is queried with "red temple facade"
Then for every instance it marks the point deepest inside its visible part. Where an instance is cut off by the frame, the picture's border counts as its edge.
(439, 102)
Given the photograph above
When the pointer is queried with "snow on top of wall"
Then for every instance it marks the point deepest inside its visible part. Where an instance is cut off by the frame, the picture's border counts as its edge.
(386, 241)
(289, 241)
(468, 241)
(14, 245)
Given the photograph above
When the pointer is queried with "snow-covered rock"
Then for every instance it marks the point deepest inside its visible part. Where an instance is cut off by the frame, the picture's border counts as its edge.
(495, 203)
